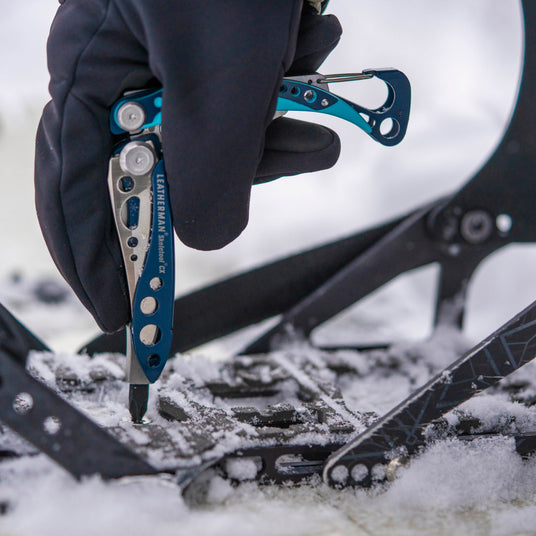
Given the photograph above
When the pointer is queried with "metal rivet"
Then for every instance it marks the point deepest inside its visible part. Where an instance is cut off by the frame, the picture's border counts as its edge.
(137, 158)
(130, 116)
(309, 95)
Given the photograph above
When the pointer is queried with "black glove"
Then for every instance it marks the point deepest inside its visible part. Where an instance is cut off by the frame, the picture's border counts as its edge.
(220, 65)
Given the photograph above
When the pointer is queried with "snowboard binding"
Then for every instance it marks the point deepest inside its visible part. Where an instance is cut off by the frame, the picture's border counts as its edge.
(315, 435)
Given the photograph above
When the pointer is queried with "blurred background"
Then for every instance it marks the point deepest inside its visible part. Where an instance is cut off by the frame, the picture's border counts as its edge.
(463, 60)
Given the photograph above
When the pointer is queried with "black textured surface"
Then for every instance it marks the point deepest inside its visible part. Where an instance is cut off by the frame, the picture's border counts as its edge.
(68, 437)
(502, 353)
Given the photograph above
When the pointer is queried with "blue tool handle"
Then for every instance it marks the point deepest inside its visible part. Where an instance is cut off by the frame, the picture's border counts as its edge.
(152, 307)
(386, 124)
(297, 96)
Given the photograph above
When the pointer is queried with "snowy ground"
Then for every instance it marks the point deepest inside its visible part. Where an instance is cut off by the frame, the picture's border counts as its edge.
(463, 59)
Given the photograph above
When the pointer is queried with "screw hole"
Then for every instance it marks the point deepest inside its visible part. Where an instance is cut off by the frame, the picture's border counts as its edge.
(340, 474)
(126, 184)
(154, 360)
(150, 335)
(359, 472)
(389, 128)
(130, 213)
(148, 305)
(52, 425)
(156, 283)
(379, 472)
(23, 403)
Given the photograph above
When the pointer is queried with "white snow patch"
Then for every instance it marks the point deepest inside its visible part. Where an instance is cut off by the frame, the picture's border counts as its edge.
(242, 468)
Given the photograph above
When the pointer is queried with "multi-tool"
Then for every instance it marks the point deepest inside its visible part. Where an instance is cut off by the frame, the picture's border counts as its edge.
(138, 189)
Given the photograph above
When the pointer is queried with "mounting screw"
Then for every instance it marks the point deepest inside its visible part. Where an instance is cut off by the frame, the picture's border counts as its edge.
(137, 158)
(130, 116)
(324, 102)
(309, 95)
(476, 226)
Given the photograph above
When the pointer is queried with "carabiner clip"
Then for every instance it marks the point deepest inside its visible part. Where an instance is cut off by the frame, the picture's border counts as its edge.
(386, 124)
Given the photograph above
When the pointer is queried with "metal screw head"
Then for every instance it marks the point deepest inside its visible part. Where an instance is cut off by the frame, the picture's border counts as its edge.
(324, 102)
(130, 116)
(137, 158)
(309, 95)
(476, 226)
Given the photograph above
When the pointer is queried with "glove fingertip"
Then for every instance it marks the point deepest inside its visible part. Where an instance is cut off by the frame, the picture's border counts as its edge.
(318, 36)
(294, 147)
(209, 235)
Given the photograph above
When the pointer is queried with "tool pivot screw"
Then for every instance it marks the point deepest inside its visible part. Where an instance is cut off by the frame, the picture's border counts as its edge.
(130, 116)
(137, 158)
(476, 226)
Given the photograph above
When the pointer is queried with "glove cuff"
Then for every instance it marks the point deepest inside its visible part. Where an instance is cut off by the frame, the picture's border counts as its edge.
(319, 5)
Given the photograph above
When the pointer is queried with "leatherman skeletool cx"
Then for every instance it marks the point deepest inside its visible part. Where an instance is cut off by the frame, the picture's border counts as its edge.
(138, 189)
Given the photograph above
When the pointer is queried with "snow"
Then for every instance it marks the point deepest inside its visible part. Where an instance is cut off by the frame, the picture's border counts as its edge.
(242, 469)
(451, 489)
(463, 60)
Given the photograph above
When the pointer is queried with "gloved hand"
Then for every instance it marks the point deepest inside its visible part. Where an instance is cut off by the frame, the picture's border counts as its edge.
(220, 65)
